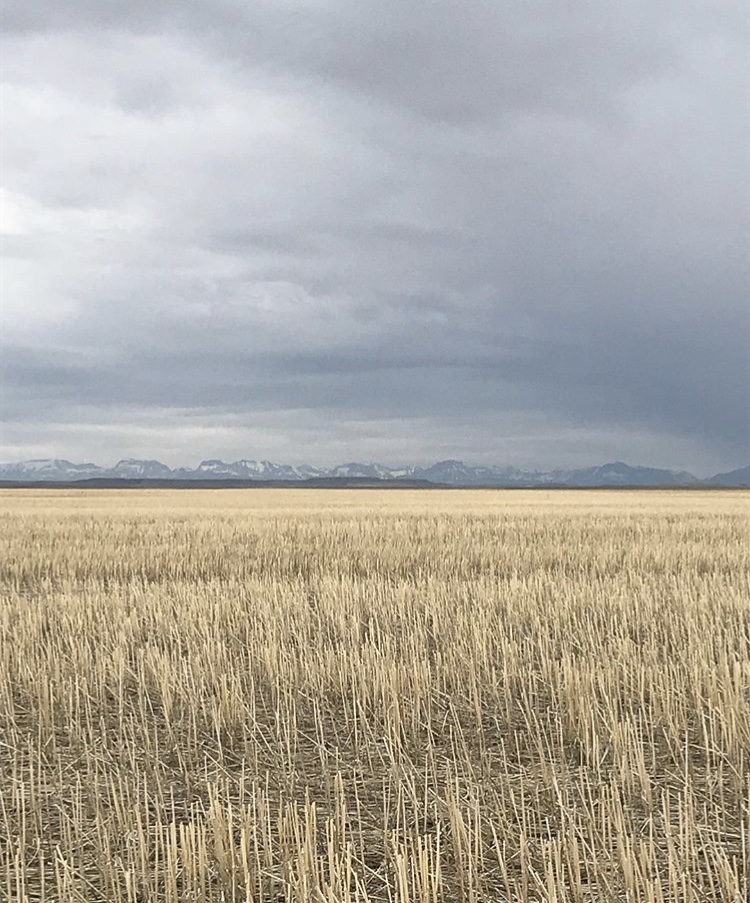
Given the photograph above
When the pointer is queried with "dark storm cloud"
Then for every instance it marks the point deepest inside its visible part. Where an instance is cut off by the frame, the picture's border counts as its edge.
(448, 59)
(528, 217)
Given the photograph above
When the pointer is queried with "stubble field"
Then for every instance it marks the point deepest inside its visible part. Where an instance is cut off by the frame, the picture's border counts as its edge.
(406, 696)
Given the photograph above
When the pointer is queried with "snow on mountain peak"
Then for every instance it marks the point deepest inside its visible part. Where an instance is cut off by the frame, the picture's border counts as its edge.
(450, 472)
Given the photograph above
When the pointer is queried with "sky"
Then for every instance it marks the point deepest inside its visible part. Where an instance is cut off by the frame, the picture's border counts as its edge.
(323, 230)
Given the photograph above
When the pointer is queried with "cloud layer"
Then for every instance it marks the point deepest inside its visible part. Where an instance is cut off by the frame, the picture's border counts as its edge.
(316, 230)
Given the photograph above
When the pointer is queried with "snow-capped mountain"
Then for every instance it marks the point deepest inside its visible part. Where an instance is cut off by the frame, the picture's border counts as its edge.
(247, 470)
(450, 473)
(621, 474)
(48, 469)
(354, 470)
(143, 470)
(456, 473)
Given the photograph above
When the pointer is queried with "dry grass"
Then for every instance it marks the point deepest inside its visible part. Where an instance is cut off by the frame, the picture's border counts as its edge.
(374, 696)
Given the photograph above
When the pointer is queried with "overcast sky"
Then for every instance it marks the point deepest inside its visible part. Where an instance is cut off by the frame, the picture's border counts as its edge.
(393, 230)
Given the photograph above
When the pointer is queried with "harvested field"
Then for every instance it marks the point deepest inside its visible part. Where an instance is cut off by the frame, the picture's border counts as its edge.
(323, 696)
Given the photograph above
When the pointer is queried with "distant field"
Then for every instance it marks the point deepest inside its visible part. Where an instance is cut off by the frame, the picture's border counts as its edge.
(407, 696)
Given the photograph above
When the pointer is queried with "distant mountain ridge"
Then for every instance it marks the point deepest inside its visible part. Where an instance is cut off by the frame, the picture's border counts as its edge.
(739, 477)
(449, 472)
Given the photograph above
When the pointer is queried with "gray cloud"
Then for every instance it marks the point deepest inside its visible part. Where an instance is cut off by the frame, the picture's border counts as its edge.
(316, 229)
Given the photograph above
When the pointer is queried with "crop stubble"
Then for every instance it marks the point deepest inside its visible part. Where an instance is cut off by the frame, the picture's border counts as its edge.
(406, 696)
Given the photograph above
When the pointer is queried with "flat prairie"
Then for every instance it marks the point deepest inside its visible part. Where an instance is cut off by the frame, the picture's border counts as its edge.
(326, 696)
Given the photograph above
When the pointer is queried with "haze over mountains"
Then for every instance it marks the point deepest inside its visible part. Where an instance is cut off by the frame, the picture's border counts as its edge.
(450, 472)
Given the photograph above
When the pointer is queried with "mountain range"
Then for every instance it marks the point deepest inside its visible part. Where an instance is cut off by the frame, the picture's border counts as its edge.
(450, 473)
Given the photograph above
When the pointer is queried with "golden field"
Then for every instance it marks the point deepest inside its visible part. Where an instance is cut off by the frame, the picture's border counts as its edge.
(323, 696)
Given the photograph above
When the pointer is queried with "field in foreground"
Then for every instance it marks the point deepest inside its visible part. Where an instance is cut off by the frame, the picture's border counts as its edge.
(329, 696)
